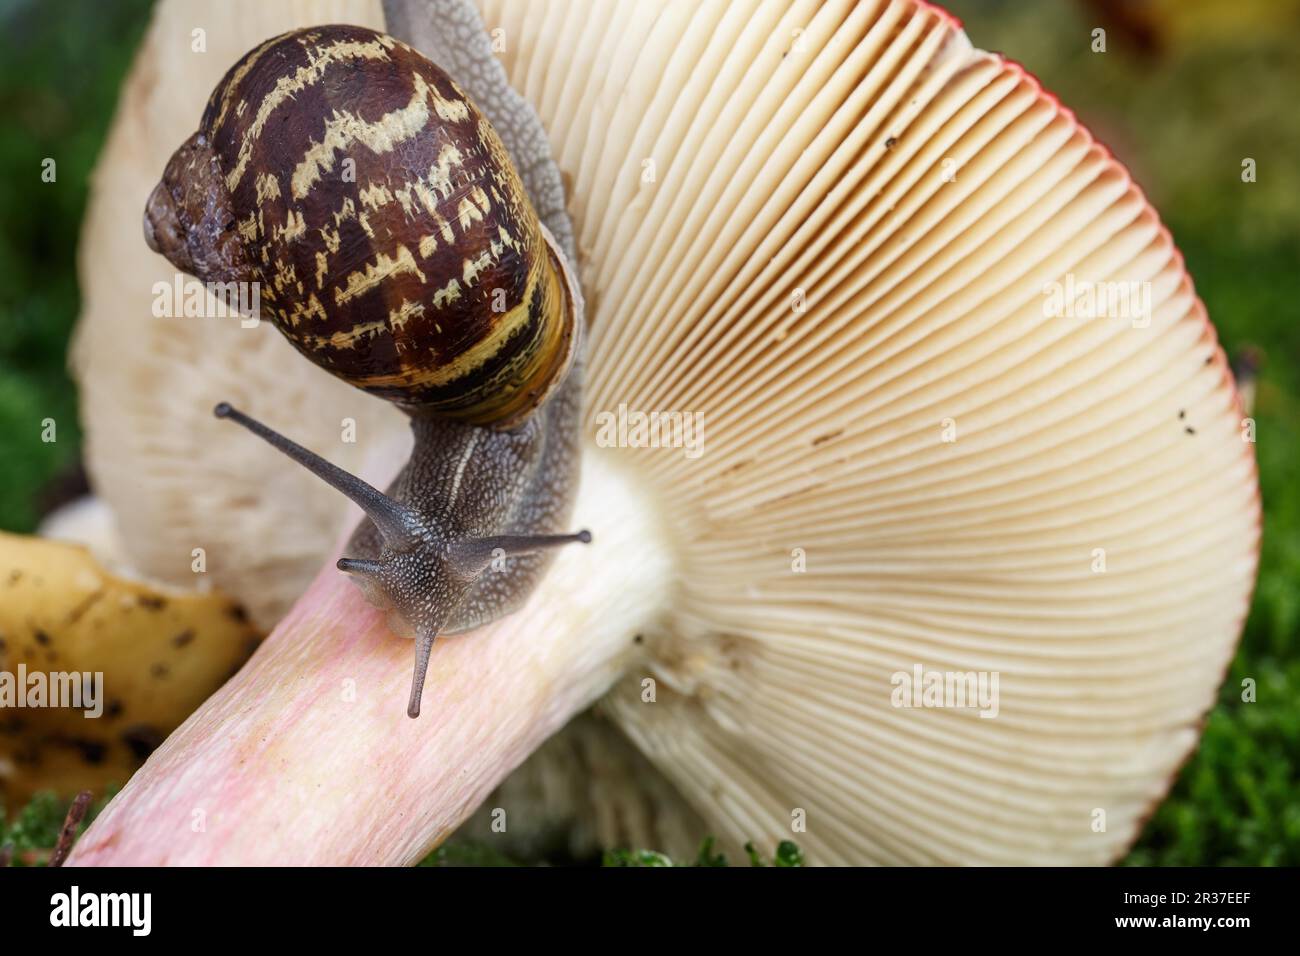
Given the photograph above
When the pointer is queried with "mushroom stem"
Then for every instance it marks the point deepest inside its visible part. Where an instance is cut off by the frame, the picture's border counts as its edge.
(306, 756)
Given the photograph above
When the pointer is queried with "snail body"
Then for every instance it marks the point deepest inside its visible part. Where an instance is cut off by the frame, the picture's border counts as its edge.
(395, 246)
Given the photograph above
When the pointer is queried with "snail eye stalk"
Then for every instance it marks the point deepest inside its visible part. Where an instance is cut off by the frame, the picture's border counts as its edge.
(471, 557)
(395, 521)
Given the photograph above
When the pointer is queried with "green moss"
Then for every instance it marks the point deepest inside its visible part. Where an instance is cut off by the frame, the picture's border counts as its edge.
(787, 854)
(35, 828)
(706, 856)
(635, 858)
(59, 78)
(37, 825)
(467, 853)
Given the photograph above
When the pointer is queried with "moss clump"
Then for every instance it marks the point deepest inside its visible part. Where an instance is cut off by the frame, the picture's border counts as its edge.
(787, 854)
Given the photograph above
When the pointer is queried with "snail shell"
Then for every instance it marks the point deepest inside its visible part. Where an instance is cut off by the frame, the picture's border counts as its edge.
(393, 241)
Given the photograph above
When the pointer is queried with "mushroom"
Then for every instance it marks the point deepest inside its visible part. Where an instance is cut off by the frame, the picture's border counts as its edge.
(97, 669)
(962, 412)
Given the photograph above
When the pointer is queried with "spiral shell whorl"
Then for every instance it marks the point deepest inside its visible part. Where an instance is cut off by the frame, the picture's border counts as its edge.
(394, 241)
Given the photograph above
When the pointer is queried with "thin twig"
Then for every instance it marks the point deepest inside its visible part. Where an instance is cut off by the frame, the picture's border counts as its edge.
(76, 813)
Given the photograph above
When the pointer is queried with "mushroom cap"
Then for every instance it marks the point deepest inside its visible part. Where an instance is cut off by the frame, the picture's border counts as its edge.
(854, 245)
(841, 234)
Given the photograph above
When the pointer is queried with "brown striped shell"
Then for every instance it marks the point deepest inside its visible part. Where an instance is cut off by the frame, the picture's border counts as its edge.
(393, 241)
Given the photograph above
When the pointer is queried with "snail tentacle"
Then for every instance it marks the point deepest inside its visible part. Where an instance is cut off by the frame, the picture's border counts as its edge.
(473, 556)
(396, 522)
(360, 566)
(423, 646)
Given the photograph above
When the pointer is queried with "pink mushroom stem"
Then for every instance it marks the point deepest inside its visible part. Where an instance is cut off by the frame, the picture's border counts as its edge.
(307, 755)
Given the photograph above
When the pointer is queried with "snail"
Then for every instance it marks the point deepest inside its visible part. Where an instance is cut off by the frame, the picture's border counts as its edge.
(394, 245)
